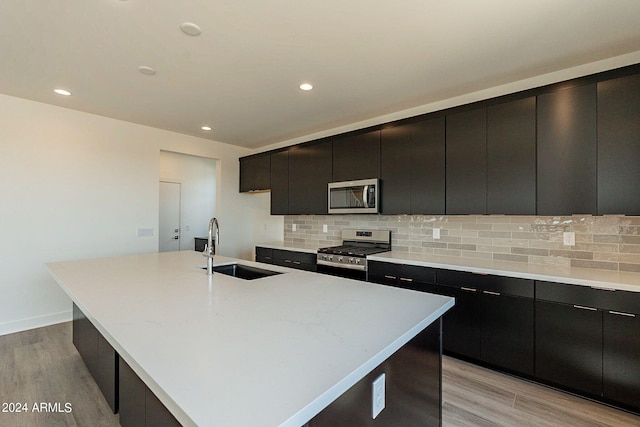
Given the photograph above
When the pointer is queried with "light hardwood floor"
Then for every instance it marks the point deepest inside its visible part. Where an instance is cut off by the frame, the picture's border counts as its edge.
(42, 365)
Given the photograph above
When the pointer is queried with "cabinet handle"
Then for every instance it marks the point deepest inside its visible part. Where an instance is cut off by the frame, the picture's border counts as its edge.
(296, 262)
(491, 293)
(622, 314)
(468, 289)
(287, 260)
(479, 274)
(602, 289)
(581, 307)
(386, 276)
(406, 279)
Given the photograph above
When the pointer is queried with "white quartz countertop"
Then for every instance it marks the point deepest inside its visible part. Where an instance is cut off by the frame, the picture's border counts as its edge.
(289, 246)
(619, 280)
(222, 351)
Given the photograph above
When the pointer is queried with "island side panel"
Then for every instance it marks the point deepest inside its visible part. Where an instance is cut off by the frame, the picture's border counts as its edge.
(413, 388)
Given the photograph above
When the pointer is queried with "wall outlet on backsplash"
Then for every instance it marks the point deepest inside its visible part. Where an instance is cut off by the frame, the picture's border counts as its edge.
(436, 234)
(569, 238)
(294, 227)
(325, 229)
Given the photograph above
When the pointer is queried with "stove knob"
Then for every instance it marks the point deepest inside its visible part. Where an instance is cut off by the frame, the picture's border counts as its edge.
(330, 258)
(351, 260)
(339, 259)
(357, 260)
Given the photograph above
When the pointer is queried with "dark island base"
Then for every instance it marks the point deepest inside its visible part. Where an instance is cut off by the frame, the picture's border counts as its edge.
(413, 389)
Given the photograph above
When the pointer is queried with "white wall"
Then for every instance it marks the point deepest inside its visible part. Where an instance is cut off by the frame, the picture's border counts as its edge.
(77, 185)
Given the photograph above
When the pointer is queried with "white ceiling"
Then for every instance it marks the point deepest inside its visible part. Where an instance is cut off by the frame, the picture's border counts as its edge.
(366, 58)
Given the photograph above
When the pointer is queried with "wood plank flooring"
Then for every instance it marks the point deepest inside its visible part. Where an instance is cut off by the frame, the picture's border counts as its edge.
(42, 365)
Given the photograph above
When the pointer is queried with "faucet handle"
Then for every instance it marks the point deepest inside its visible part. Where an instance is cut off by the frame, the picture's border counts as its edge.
(206, 251)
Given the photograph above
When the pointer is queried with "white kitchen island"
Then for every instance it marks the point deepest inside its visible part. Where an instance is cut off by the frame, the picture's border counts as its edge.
(222, 351)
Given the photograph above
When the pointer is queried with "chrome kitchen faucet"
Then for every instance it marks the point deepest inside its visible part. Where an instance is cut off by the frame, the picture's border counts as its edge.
(210, 248)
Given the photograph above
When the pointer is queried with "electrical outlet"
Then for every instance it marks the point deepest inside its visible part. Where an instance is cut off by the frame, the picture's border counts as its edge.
(377, 395)
(294, 227)
(325, 229)
(569, 238)
(436, 233)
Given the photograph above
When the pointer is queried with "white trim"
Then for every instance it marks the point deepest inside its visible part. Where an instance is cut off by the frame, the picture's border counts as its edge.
(35, 322)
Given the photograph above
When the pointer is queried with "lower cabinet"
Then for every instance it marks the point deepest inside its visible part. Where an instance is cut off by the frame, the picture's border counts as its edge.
(98, 355)
(492, 321)
(569, 346)
(138, 405)
(292, 259)
(621, 358)
(401, 275)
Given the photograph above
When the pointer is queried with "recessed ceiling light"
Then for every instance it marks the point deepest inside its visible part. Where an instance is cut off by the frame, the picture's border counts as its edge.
(306, 86)
(62, 92)
(147, 71)
(190, 29)
(206, 128)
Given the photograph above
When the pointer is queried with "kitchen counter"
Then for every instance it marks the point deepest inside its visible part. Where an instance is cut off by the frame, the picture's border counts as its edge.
(217, 350)
(619, 280)
(288, 246)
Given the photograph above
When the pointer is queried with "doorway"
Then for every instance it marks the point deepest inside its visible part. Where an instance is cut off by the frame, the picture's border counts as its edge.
(169, 221)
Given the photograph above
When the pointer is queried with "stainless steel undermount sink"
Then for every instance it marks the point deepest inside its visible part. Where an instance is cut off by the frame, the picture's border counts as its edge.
(244, 271)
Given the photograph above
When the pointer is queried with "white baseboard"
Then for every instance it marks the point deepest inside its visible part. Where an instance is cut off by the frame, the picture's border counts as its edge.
(35, 322)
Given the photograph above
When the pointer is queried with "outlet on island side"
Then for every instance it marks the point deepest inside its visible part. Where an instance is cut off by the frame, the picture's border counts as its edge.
(378, 396)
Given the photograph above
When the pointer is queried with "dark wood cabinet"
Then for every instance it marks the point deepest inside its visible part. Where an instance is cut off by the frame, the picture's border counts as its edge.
(309, 174)
(395, 175)
(255, 172)
(98, 355)
(428, 167)
(466, 162)
(511, 158)
(401, 275)
(356, 156)
(566, 152)
(621, 357)
(569, 346)
(280, 183)
(138, 405)
(292, 259)
(619, 146)
(492, 321)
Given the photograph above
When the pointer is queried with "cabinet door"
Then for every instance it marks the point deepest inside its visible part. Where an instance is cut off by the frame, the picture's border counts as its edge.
(255, 172)
(107, 374)
(461, 324)
(264, 255)
(619, 146)
(428, 167)
(511, 158)
(385, 273)
(396, 182)
(466, 164)
(507, 331)
(621, 358)
(569, 346)
(356, 157)
(309, 175)
(567, 151)
(280, 183)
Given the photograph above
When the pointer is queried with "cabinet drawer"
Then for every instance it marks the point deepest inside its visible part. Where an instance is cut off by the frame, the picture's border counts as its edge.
(385, 273)
(264, 252)
(417, 273)
(605, 299)
(487, 283)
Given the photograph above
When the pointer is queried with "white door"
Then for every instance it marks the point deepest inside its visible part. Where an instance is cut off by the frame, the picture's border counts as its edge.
(169, 228)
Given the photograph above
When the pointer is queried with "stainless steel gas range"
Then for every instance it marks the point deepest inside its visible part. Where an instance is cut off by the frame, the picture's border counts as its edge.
(350, 258)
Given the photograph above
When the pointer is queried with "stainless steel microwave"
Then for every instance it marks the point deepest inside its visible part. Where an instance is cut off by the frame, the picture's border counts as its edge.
(353, 197)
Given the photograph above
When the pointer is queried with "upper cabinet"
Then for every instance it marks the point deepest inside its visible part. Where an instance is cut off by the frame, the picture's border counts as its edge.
(280, 182)
(309, 175)
(511, 158)
(570, 148)
(619, 146)
(356, 157)
(567, 151)
(255, 172)
(466, 164)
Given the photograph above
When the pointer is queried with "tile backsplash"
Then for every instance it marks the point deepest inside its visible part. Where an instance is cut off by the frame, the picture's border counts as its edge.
(610, 242)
